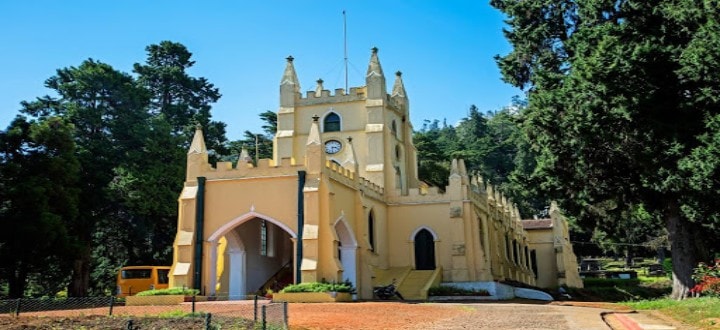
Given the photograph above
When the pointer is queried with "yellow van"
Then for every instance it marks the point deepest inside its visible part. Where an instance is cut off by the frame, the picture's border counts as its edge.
(133, 279)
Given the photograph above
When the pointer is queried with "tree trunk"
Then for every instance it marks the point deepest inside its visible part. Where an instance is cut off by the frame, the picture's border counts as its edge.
(682, 253)
(17, 282)
(80, 281)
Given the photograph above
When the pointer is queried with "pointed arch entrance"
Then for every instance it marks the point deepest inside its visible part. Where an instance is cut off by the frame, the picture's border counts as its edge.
(347, 250)
(249, 252)
(424, 242)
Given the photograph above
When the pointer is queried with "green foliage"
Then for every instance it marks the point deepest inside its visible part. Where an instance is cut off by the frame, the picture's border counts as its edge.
(128, 137)
(39, 172)
(622, 114)
(317, 287)
(448, 290)
(170, 292)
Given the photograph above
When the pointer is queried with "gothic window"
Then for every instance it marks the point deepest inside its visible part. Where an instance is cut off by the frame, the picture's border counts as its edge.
(393, 127)
(331, 123)
(527, 257)
(507, 248)
(263, 238)
(515, 252)
(533, 262)
(371, 231)
(267, 247)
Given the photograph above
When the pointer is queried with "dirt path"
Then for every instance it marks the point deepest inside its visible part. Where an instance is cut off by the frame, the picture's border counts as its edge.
(358, 315)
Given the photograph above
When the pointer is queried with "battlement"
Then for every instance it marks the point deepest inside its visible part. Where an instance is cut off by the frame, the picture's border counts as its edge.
(245, 169)
(311, 98)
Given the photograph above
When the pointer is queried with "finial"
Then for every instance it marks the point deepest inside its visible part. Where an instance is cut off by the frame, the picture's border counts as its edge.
(399, 73)
(349, 138)
(320, 81)
(374, 50)
(198, 126)
(290, 58)
(315, 118)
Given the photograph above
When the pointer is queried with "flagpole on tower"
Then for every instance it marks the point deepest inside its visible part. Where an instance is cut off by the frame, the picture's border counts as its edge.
(345, 51)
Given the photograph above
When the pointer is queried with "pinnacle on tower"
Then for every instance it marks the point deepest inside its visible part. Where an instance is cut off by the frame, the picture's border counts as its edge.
(289, 85)
(374, 68)
(398, 88)
(375, 79)
(350, 161)
(314, 135)
(198, 143)
(289, 76)
(319, 87)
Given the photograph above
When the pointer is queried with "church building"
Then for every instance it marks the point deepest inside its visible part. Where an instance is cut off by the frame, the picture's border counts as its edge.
(341, 201)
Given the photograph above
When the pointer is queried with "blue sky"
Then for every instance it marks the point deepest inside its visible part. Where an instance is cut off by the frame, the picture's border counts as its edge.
(445, 49)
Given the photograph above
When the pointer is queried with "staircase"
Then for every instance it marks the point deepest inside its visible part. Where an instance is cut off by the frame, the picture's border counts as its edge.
(416, 284)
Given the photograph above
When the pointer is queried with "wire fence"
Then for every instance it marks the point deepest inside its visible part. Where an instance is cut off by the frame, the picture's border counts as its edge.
(143, 312)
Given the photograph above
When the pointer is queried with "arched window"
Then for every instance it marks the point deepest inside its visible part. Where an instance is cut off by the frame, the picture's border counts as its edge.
(371, 231)
(393, 127)
(331, 123)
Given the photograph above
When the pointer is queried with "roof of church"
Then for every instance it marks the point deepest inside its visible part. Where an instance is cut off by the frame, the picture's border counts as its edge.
(537, 224)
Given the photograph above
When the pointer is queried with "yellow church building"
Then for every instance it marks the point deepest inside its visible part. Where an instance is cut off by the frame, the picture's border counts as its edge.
(341, 201)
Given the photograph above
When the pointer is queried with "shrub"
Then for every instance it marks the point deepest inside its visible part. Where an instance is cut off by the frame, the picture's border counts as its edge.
(448, 290)
(170, 292)
(318, 287)
(707, 279)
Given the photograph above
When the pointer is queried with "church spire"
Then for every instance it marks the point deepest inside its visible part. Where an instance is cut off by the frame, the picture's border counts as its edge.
(375, 79)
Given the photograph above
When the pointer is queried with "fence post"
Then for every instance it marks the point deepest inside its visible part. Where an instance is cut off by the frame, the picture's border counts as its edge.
(286, 324)
(264, 317)
(112, 302)
(208, 323)
(17, 307)
(130, 325)
(193, 304)
(255, 308)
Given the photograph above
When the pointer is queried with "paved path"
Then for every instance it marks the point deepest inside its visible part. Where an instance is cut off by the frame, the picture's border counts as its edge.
(508, 316)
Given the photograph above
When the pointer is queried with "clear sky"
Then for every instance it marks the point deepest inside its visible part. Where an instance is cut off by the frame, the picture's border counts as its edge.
(445, 49)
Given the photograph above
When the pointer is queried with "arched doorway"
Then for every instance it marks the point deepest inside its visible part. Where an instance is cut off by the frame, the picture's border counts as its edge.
(424, 250)
(347, 251)
(259, 251)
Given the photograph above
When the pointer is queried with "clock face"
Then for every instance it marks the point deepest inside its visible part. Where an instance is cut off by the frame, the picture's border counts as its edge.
(333, 146)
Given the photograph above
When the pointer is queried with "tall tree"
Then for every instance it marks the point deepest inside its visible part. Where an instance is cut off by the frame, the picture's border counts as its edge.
(38, 190)
(107, 110)
(621, 104)
(181, 99)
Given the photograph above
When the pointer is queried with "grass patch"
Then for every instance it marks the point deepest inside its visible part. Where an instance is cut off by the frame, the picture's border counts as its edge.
(618, 290)
(700, 312)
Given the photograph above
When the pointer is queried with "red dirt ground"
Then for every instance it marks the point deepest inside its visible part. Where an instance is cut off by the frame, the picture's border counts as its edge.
(358, 315)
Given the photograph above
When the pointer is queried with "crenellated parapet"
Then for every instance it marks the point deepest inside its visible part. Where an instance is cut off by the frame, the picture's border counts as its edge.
(339, 96)
(340, 174)
(244, 169)
(371, 189)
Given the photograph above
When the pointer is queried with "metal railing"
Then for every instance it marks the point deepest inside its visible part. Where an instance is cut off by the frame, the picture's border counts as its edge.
(211, 312)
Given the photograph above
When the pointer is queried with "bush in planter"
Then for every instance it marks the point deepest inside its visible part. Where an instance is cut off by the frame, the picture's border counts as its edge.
(456, 291)
(318, 287)
(170, 292)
